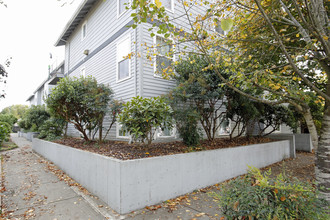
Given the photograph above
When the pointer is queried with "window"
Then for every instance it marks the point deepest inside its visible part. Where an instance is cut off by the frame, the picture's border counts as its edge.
(168, 4)
(84, 30)
(224, 128)
(218, 28)
(278, 129)
(120, 133)
(83, 72)
(123, 62)
(163, 59)
(121, 6)
(166, 132)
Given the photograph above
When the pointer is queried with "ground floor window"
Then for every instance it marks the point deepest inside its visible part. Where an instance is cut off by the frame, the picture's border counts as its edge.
(166, 132)
(120, 132)
(224, 128)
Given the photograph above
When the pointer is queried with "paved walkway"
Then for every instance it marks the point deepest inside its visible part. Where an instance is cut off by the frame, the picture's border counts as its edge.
(32, 191)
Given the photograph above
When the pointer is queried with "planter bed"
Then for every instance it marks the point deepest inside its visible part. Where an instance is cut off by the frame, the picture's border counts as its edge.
(128, 185)
(125, 151)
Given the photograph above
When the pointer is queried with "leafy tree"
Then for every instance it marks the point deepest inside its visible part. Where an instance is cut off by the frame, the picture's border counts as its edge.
(34, 118)
(141, 116)
(280, 47)
(201, 88)
(272, 117)
(241, 111)
(9, 118)
(80, 101)
(3, 74)
(17, 110)
(244, 112)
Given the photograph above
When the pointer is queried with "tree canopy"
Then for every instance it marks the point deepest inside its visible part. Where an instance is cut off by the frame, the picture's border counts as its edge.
(281, 47)
(17, 110)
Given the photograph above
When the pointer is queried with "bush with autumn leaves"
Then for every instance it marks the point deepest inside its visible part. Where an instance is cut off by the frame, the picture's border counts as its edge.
(257, 196)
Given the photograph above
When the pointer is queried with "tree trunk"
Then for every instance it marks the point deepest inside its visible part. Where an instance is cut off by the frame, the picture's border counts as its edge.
(311, 128)
(101, 129)
(322, 168)
(66, 130)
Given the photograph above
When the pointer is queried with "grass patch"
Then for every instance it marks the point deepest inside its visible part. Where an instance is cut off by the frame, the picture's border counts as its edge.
(9, 145)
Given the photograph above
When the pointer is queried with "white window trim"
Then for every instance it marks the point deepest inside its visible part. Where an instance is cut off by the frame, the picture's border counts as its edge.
(82, 30)
(155, 59)
(172, 6)
(173, 133)
(279, 130)
(128, 36)
(124, 12)
(230, 128)
(81, 71)
(118, 127)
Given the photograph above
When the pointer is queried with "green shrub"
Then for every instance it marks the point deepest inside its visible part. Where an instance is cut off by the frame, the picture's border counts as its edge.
(52, 129)
(80, 101)
(5, 129)
(256, 196)
(141, 116)
(186, 119)
(34, 118)
(23, 123)
(198, 86)
(9, 118)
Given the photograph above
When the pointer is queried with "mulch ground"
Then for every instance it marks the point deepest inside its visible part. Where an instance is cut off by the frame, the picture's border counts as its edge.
(302, 167)
(125, 151)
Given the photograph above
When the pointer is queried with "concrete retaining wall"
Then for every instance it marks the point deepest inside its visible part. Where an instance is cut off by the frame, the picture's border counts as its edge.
(303, 142)
(133, 184)
(28, 135)
(290, 137)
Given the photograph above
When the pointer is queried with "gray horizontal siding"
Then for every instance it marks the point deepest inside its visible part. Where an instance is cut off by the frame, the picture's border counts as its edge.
(102, 23)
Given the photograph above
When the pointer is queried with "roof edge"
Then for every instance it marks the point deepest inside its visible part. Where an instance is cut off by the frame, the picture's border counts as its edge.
(60, 41)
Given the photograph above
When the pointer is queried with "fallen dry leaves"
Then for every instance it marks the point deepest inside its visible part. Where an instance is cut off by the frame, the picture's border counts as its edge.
(62, 176)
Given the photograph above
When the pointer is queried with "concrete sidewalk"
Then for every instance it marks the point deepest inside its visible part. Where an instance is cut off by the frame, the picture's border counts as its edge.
(32, 191)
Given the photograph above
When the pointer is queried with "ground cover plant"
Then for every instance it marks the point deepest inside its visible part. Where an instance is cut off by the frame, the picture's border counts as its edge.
(52, 129)
(258, 196)
(125, 151)
(7, 145)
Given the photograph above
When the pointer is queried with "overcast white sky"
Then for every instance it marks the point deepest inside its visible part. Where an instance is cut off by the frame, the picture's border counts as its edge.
(28, 32)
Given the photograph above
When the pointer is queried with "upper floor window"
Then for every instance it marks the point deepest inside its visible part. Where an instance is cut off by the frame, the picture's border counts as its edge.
(218, 28)
(121, 6)
(164, 55)
(123, 62)
(84, 30)
(168, 4)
